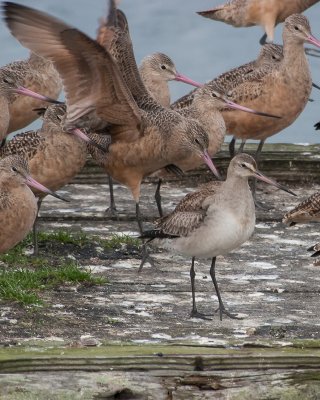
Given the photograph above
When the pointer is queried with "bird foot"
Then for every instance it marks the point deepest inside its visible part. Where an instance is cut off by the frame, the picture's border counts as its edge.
(146, 258)
(112, 212)
(262, 206)
(224, 311)
(196, 314)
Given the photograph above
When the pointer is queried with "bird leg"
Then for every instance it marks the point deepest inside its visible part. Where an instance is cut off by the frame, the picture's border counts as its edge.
(221, 308)
(157, 196)
(258, 203)
(112, 210)
(263, 39)
(144, 253)
(194, 312)
(241, 147)
(35, 230)
(232, 147)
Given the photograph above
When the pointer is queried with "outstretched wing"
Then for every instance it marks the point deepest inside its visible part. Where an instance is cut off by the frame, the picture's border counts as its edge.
(90, 76)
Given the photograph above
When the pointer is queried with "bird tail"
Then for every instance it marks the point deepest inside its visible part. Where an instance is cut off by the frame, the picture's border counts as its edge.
(155, 234)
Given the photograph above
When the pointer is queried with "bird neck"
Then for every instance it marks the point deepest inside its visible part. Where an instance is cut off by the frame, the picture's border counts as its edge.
(236, 184)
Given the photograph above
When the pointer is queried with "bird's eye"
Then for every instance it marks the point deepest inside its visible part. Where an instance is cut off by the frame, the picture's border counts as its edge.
(163, 66)
(197, 141)
(296, 28)
(243, 165)
(5, 80)
(213, 94)
(14, 169)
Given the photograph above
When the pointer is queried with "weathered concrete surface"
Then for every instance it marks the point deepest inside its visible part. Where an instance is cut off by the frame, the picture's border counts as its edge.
(271, 281)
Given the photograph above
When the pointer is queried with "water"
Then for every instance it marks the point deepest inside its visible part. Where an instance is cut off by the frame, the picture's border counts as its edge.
(200, 48)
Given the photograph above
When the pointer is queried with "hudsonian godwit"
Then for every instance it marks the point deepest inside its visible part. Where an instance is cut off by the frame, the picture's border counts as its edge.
(213, 220)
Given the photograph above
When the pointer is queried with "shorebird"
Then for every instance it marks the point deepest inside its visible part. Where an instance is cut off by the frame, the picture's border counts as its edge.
(156, 70)
(35, 74)
(11, 90)
(54, 155)
(206, 108)
(145, 135)
(18, 205)
(280, 88)
(267, 13)
(307, 211)
(214, 220)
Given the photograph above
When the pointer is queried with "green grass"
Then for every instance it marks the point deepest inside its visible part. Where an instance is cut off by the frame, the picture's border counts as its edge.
(24, 284)
(117, 241)
(65, 237)
(114, 242)
(24, 275)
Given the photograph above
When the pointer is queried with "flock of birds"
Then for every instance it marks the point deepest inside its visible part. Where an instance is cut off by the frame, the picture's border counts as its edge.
(122, 115)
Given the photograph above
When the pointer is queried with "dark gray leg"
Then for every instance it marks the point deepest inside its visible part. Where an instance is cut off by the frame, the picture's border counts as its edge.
(157, 196)
(112, 210)
(241, 147)
(221, 308)
(263, 39)
(232, 147)
(258, 204)
(194, 312)
(145, 253)
(35, 230)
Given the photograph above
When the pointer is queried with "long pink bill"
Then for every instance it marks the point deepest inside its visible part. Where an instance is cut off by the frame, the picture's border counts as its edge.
(36, 185)
(311, 39)
(236, 106)
(27, 92)
(259, 175)
(77, 132)
(182, 78)
(207, 159)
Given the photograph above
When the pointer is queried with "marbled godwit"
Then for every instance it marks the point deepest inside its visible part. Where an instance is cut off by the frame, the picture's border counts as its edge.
(281, 88)
(18, 206)
(36, 74)
(145, 136)
(55, 156)
(206, 108)
(267, 13)
(10, 87)
(213, 220)
(156, 71)
(307, 211)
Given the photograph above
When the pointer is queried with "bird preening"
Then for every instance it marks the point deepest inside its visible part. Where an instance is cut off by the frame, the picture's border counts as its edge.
(121, 115)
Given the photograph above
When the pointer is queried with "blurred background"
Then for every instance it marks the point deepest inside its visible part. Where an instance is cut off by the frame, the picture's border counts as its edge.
(201, 48)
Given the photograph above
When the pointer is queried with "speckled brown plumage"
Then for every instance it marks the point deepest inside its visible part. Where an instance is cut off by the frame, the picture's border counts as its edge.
(267, 13)
(18, 206)
(54, 155)
(189, 213)
(269, 56)
(156, 71)
(145, 136)
(281, 90)
(307, 211)
(36, 74)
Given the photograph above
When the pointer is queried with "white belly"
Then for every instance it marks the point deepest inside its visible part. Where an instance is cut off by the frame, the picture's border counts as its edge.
(216, 236)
